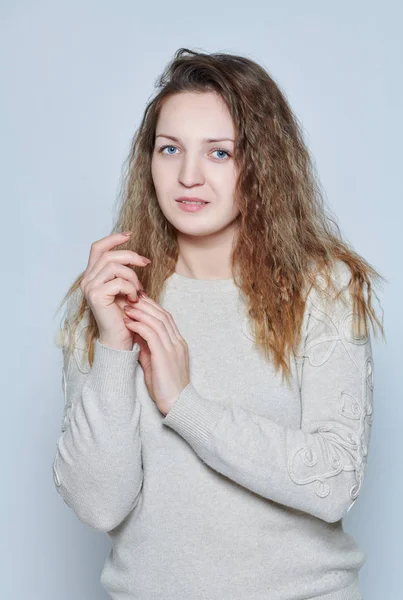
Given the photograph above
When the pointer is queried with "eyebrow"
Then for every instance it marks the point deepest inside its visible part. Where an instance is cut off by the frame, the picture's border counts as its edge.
(206, 140)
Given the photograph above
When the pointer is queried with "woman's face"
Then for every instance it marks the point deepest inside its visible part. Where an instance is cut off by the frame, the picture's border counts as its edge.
(186, 163)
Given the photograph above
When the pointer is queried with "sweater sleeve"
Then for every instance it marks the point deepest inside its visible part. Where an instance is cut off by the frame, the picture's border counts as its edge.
(318, 468)
(97, 468)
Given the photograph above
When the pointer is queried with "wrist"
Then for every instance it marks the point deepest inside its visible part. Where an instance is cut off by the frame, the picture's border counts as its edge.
(116, 345)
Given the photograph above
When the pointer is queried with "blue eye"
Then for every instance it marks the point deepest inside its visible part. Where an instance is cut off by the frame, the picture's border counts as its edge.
(219, 150)
(162, 148)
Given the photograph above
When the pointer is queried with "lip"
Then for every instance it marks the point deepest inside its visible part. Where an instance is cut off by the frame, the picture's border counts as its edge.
(191, 199)
(191, 208)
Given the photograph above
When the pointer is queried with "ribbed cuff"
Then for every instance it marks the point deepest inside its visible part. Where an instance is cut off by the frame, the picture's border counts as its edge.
(112, 375)
(351, 592)
(194, 417)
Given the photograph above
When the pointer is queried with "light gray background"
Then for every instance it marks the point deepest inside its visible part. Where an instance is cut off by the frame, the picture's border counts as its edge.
(75, 80)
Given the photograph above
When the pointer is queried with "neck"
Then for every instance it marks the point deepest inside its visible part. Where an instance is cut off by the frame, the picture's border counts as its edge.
(206, 257)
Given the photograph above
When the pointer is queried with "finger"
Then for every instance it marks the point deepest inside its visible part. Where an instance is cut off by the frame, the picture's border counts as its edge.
(171, 321)
(112, 270)
(157, 325)
(161, 314)
(139, 340)
(125, 257)
(104, 244)
(112, 288)
(151, 338)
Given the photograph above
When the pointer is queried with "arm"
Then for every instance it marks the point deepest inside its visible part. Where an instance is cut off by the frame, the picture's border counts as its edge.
(318, 468)
(97, 468)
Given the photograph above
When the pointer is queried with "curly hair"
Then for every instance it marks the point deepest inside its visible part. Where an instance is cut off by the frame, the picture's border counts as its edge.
(286, 235)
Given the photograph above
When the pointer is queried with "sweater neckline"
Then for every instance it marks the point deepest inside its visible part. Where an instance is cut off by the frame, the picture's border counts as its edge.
(190, 284)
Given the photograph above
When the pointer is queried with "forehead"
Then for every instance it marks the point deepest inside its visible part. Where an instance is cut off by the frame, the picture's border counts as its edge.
(190, 115)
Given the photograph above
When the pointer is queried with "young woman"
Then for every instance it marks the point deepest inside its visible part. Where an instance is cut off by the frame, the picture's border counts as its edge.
(217, 426)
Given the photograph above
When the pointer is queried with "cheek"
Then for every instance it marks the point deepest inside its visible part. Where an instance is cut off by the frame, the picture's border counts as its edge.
(154, 169)
(225, 181)
(161, 174)
(158, 178)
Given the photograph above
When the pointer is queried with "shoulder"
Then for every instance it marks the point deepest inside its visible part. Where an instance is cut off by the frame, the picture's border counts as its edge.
(332, 289)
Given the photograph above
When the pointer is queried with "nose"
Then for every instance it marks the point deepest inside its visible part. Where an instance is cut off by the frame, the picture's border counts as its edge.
(191, 172)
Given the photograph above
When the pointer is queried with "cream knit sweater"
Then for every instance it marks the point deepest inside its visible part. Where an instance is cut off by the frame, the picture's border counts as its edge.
(238, 493)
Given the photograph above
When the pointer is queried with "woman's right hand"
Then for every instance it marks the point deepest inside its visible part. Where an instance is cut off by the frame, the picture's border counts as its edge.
(105, 278)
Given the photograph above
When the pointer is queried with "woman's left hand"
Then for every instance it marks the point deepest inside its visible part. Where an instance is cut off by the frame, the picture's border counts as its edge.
(164, 354)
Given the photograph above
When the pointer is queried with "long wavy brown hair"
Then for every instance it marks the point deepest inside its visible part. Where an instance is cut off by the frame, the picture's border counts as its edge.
(283, 229)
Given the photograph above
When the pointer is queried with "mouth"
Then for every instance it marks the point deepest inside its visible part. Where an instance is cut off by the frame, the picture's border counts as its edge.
(191, 206)
(191, 201)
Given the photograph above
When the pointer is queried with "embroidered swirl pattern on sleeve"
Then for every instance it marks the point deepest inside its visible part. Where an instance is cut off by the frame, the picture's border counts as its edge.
(342, 424)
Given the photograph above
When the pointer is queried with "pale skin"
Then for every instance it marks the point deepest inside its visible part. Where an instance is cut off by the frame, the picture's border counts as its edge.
(163, 351)
(164, 357)
(187, 166)
(193, 167)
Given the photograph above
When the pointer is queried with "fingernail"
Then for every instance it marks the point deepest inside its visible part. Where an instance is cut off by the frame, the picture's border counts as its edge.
(146, 260)
(127, 232)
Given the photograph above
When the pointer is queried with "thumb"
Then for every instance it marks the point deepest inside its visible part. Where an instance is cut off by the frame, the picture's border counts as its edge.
(145, 353)
(145, 362)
